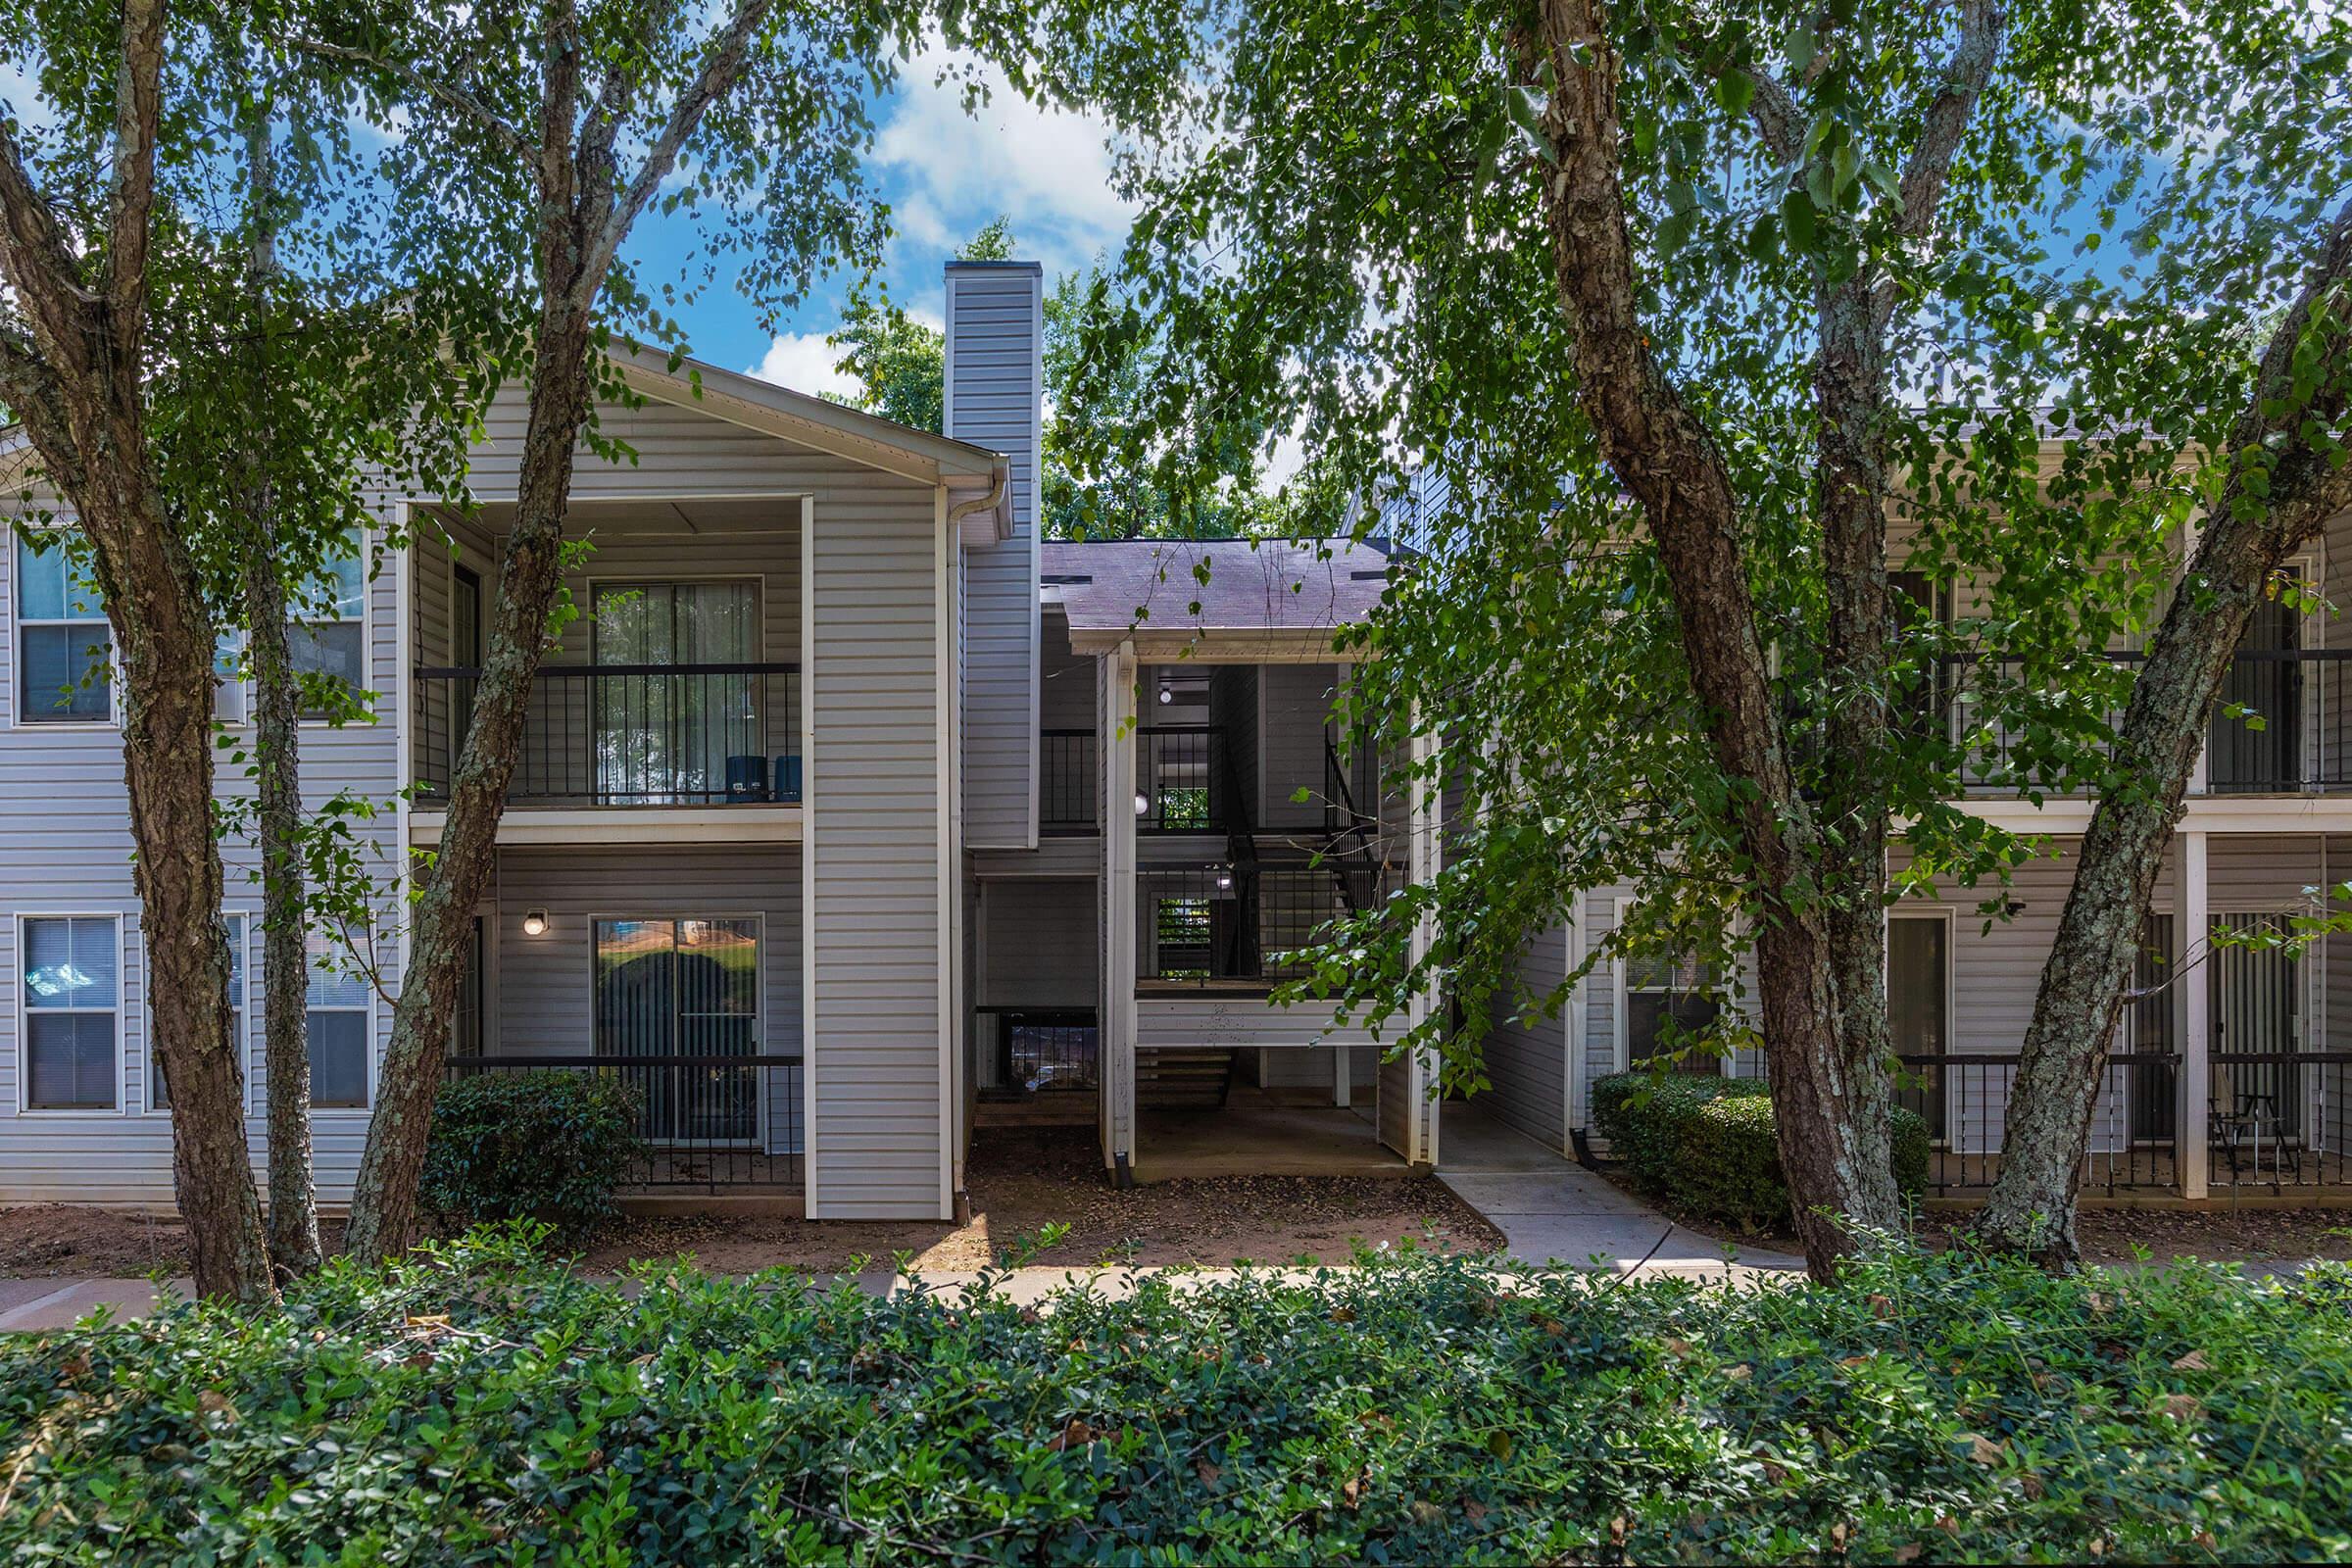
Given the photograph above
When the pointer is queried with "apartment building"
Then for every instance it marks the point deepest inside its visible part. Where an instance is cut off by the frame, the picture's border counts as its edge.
(812, 837)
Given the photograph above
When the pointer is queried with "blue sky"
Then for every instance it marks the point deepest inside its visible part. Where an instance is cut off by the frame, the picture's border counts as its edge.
(944, 173)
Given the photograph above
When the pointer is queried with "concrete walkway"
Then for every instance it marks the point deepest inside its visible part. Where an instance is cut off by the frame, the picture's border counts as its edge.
(1552, 1211)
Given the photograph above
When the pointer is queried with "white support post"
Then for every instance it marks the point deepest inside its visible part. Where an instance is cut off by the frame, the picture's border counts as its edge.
(1116, 1016)
(1342, 1091)
(2189, 1143)
(1423, 807)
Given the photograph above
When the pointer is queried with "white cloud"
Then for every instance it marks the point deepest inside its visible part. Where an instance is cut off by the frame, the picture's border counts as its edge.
(804, 362)
(1283, 463)
(1049, 171)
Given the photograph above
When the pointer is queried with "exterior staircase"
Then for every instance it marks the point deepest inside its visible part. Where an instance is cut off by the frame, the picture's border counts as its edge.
(1182, 1077)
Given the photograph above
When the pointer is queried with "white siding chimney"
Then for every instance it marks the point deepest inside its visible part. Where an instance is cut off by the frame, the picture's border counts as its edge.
(995, 399)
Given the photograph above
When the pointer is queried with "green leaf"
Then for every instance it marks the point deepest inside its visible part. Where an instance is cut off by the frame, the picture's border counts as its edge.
(1796, 220)
(1735, 90)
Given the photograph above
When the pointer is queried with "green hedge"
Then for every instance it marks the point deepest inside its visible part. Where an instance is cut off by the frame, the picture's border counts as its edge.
(479, 1406)
(1704, 1145)
(549, 1146)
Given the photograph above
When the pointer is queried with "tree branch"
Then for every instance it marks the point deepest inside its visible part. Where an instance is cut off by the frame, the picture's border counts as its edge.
(729, 51)
(1982, 23)
(509, 141)
(138, 114)
(34, 258)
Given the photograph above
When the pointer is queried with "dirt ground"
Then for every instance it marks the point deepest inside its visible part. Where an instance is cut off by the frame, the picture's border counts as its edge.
(2262, 1237)
(1021, 1182)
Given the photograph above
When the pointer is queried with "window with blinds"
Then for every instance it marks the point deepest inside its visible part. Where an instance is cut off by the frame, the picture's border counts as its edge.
(65, 647)
(335, 1009)
(73, 1011)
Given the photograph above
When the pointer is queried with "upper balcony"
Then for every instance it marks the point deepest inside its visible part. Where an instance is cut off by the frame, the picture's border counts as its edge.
(671, 708)
(2283, 727)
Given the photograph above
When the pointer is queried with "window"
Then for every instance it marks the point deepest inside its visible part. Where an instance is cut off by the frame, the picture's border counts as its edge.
(469, 1031)
(327, 634)
(1922, 698)
(159, 1092)
(336, 1016)
(65, 647)
(1666, 1001)
(674, 998)
(72, 1011)
(1919, 1010)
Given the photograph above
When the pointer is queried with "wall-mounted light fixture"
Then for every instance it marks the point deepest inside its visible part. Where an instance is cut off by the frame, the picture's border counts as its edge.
(534, 923)
(2014, 907)
(1142, 804)
(1167, 694)
(1224, 879)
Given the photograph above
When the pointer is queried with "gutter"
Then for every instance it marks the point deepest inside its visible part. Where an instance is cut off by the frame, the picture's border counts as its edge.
(1002, 478)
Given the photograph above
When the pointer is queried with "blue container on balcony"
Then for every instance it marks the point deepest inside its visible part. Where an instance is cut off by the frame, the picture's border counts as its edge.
(747, 778)
(788, 778)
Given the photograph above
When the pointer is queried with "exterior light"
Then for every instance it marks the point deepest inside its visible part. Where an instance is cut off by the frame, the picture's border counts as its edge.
(1224, 879)
(534, 923)
(1167, 694)
(1142, 804)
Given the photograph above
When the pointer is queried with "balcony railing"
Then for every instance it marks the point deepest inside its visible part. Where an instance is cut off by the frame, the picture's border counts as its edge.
(1965, 1101)
(1181, 783)
(630, 734)
(1221, 924)
(1068, 779)
(709, 1121)
(2283, 724)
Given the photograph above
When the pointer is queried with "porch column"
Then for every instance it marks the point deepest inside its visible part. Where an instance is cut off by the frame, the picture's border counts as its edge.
(2197, 1002)
(1114, 1015)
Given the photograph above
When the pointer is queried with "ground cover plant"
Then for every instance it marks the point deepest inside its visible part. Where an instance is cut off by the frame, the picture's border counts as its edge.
(479, 1404)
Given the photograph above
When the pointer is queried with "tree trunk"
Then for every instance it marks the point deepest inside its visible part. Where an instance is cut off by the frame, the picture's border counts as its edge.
(285, 958)
(1833, 1160)
(164, 644)
(277, 805)
(2252, 531)
(383, 1210)
(77, 380)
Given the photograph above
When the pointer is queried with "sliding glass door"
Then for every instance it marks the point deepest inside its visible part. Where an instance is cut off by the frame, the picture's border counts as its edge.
(665, 736)
(681, 999)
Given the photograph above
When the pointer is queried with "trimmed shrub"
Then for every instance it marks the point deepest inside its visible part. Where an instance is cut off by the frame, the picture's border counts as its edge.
(478, 1405)
(1704, 1146)
(549, 1146)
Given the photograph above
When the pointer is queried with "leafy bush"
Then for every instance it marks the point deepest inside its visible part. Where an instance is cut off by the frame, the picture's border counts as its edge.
(548, 1145)
(481, 1406)
(1704, 1145)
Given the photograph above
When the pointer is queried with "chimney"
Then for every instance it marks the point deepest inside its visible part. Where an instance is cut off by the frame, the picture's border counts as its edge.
(995, 397)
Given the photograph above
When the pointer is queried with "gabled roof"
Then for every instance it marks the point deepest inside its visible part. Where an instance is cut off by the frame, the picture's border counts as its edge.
(1292, 592)
(971, 473)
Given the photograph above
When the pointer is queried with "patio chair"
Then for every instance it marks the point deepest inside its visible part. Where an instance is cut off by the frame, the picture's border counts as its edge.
(2246, 1124)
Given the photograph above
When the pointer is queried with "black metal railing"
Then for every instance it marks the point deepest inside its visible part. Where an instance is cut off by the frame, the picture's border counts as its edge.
(1181, 779)
(630, 734)
(1206, 925)
(709, 1121)
(2278, 1118)
(1044, 1052)
(2282, 724)
(1965, 1103)
(1069, 779)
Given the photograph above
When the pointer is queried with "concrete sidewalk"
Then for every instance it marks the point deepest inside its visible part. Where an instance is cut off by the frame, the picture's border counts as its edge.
(1552, 1211)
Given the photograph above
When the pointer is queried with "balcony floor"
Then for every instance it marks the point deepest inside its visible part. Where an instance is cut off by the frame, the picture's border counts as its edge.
(526, 822)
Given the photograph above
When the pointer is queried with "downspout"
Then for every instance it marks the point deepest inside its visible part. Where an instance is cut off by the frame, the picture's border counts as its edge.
(994, 497)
